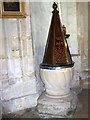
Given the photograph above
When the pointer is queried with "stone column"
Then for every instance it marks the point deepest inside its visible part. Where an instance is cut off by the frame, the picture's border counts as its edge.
(18, 74)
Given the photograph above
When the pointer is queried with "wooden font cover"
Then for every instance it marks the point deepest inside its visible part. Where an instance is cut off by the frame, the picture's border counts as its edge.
(56, 52)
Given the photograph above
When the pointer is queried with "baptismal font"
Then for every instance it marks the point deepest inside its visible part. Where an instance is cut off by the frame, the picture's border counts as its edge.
(56, 72)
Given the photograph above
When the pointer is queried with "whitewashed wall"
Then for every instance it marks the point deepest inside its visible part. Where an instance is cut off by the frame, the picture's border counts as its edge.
(82, 34)
(17, 70)
(41, 13)
(68, 13)
(75, 16)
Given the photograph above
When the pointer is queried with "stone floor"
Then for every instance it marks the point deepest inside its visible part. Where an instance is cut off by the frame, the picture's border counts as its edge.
(81, 111)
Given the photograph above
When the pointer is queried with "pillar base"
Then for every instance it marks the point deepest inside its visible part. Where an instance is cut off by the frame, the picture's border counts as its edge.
(55, 107)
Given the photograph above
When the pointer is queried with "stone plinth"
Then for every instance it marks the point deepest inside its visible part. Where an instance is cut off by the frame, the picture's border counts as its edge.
(51, 106)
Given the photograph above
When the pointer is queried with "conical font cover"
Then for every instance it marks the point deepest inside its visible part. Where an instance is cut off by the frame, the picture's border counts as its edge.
(56, 52)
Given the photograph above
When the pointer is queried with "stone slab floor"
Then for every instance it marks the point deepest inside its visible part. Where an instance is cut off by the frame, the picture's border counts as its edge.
(81, 111)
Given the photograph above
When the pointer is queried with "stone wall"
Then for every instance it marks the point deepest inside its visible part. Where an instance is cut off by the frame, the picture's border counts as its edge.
(82, 35)
(68, 13)
(17, 70)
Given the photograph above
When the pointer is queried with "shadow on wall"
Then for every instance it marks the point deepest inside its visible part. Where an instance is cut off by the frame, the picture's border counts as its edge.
(40, 19)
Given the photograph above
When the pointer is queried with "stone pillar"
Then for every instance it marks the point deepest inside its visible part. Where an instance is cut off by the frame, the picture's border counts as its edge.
(83, 40)
(18, 74)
